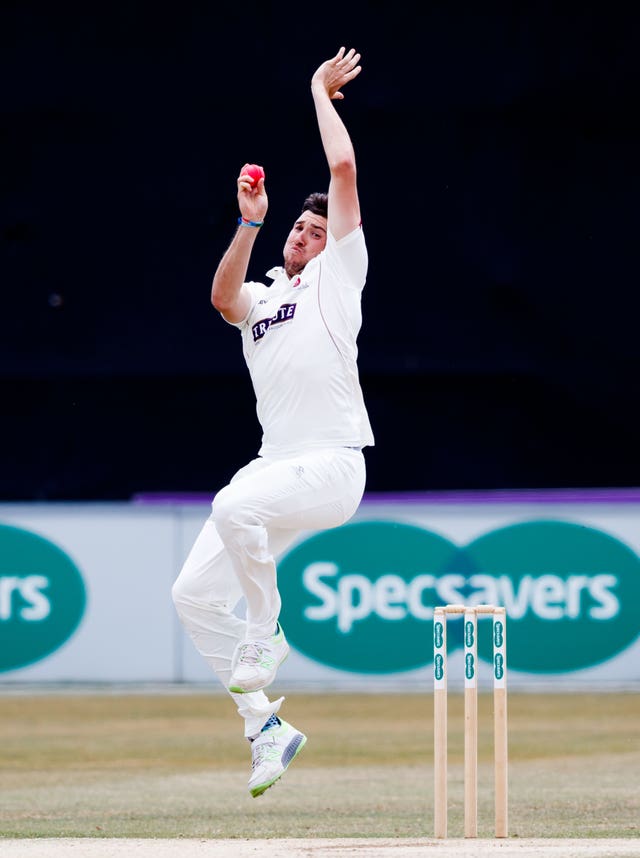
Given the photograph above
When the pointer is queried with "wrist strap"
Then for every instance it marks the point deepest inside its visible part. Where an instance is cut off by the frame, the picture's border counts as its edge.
(244, 222)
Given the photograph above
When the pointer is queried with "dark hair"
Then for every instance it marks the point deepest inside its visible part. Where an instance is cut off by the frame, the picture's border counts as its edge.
(316, 204)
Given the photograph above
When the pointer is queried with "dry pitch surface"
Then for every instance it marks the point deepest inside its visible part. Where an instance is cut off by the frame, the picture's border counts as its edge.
(338, 848)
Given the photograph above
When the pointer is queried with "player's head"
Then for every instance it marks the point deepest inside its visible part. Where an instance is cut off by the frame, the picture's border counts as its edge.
(317, 204)
(308, 235)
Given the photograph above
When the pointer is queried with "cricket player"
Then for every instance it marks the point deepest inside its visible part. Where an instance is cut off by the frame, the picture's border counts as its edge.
(299, 340)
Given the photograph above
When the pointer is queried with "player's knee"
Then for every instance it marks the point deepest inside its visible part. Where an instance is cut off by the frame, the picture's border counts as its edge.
(228, 514)
(179, 592)
(185, 591)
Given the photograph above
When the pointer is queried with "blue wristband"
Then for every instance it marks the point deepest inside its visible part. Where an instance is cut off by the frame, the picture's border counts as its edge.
(243, 222)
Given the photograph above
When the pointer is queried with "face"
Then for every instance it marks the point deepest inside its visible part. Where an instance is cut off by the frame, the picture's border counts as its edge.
(307, 238)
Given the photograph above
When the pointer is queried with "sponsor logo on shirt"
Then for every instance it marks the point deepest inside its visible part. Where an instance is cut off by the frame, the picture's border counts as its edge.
(284, 313)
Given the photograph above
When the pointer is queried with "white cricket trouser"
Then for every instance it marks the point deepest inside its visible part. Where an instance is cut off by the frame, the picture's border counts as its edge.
(257, 516)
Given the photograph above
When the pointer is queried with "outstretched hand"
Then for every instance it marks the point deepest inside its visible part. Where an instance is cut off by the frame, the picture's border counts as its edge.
(334, 73)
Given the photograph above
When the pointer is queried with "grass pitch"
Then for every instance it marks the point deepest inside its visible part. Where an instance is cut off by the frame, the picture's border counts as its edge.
(176, 765)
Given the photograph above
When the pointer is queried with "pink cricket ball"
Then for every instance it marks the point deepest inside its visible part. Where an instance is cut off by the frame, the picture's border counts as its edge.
(254, 170)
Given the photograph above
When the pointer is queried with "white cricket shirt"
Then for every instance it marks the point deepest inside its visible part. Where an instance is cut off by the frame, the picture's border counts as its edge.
(299, 342)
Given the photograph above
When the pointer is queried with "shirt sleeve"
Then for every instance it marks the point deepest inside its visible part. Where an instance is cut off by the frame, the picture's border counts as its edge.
(351, 254)
(256, 291)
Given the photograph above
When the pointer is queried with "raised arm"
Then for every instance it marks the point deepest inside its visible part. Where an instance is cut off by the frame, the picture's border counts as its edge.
(343, 206)
(228, 294)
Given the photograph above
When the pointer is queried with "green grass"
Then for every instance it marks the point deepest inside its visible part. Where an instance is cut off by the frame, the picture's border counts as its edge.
(177, 766)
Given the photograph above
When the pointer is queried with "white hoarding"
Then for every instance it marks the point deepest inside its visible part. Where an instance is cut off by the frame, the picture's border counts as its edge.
(85, 590)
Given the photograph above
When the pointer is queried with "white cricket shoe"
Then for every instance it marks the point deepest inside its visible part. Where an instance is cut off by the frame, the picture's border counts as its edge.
(272, 751)
(255, 663)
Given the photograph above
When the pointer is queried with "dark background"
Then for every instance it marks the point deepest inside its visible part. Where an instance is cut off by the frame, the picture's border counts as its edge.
(497, 148)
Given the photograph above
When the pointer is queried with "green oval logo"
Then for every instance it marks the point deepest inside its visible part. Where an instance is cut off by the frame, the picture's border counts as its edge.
(570, 591)
(359, 597)
(42, 597)
(469, 667)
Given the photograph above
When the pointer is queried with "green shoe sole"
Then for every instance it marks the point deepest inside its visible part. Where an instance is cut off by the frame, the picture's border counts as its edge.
(258, 790)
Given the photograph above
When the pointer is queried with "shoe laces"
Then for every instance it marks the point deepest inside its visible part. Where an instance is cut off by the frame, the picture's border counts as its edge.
(250, 653)
(266, 750)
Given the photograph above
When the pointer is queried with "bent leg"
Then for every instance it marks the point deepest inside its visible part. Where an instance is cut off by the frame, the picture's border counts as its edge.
(205, 595)
(269, 504)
